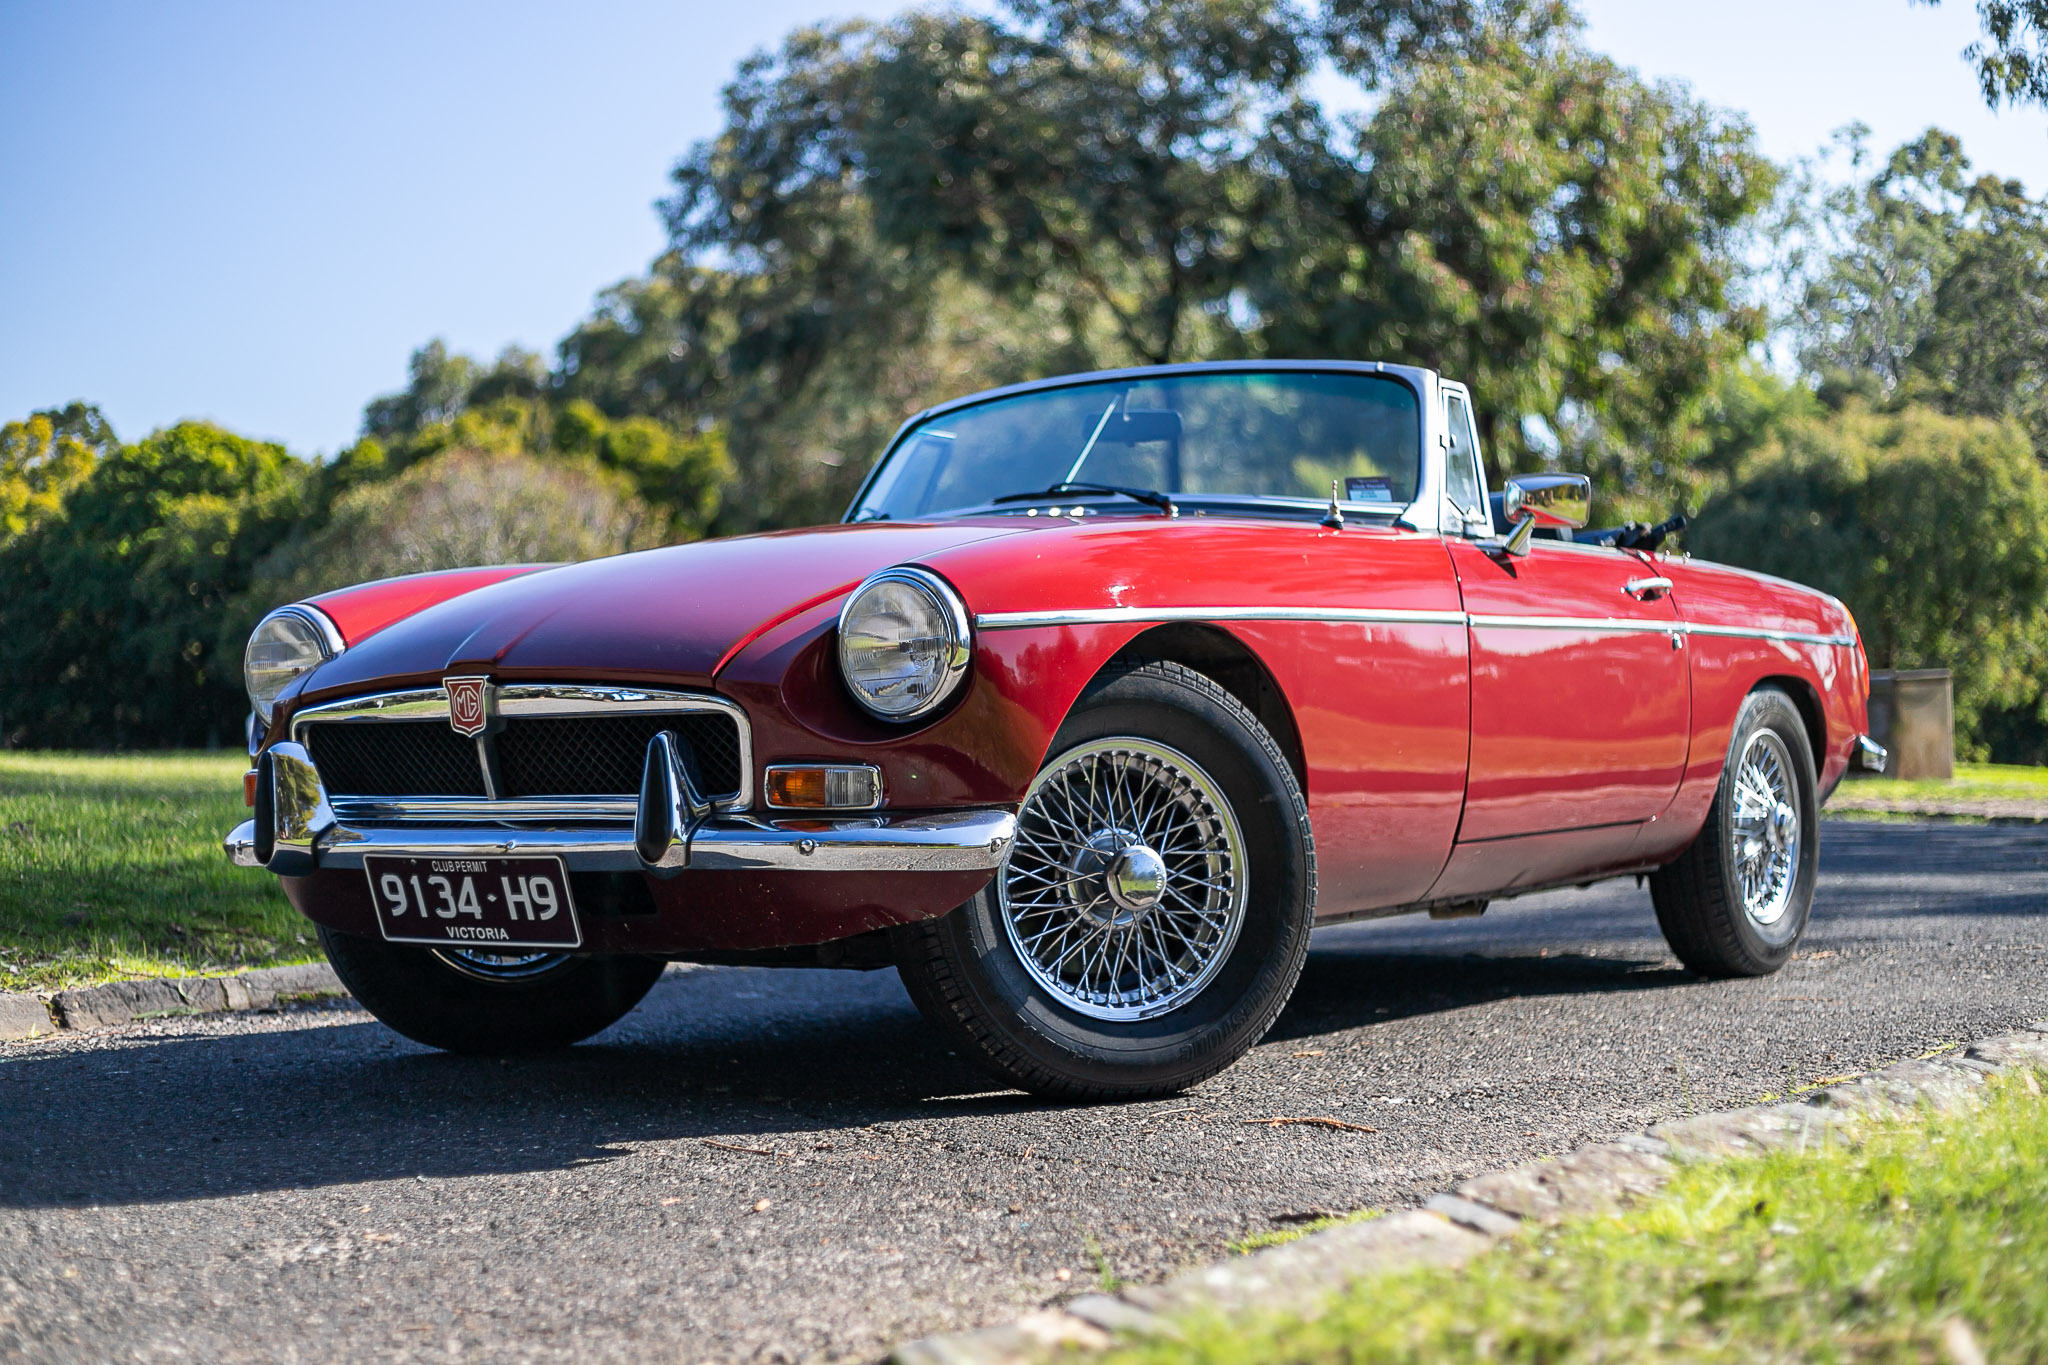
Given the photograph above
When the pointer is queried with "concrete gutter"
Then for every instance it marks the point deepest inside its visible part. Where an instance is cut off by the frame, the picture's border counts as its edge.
(124, 1002)
(1472, 1216)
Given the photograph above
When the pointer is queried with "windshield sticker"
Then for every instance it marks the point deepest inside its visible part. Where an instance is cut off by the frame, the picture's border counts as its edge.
(1374, 489)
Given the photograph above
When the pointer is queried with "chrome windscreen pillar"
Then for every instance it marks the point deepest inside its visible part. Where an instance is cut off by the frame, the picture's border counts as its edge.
(672, 806)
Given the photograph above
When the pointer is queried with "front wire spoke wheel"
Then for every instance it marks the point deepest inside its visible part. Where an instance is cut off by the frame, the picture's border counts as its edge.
(1126, 888)
(485, 965)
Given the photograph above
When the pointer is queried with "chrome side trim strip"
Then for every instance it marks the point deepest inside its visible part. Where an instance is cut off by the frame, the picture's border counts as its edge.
(1791, 637)
(1091, 616)
(527, 699)
(1619, 624)
(1085, 616)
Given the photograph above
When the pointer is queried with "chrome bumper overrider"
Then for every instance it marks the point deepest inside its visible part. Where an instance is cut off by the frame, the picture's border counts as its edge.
(295, 832)
(1871, 755)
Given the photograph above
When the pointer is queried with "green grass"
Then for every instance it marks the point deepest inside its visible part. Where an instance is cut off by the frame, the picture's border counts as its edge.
(1868, 1254)
(110, 866)
(1282, 1236)
(1972, 782)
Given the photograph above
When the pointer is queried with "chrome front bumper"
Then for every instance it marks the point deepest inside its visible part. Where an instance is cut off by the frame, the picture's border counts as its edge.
(1870, 755)
(296, 832)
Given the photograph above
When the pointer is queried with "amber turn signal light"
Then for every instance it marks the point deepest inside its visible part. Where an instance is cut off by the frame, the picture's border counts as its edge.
(249, 788)
(833, 786)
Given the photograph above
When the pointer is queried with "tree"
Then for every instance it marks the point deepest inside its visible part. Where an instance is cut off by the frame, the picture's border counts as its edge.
(1108, 147)
(1150, 178)
(1865, 257)
(1984, 351)
(1531, 218)
(112, 608)
(441, 386)
(45, 457)
(2013, 67)
(1918, 284)
(516, 406)
(1927, 526)
(457, 509)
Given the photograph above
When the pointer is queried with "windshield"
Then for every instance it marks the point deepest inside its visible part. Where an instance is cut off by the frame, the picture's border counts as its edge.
(1283, 434)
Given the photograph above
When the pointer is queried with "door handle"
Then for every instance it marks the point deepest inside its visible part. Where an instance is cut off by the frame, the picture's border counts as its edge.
(1647, 589)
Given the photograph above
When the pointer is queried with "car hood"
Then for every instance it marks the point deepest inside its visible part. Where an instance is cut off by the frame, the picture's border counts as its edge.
(660, 617)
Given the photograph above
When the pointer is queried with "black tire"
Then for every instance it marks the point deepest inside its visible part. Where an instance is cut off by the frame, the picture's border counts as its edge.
(423, 997)
(1699, 898)
(967, 974)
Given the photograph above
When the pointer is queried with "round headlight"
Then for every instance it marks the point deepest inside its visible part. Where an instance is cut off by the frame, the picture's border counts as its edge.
(903, 642)
(286, 643)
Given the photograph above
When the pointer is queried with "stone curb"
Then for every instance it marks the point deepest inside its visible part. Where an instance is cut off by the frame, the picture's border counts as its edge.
(1458, 1224)
(123, 1002)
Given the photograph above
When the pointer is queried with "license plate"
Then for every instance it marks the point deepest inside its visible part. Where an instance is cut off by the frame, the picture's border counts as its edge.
(477, 902)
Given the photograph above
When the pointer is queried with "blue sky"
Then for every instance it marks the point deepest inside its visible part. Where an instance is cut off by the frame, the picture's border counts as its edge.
(253, 212)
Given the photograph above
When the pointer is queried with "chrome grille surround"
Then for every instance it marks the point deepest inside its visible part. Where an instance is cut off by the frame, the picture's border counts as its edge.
(522, 700)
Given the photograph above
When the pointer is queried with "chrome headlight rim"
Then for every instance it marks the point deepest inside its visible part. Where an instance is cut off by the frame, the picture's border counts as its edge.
(324, 634)
(959, 650)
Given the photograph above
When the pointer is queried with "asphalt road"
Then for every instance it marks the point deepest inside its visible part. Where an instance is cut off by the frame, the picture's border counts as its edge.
(764, 1165)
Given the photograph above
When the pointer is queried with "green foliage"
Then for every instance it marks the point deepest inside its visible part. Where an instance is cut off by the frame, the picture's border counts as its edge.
(1152, 179)
(1915, 283)
(1538, 222)
(682, 472)
(895, 213)
(1867, 255)
(111, 608)
(2012, 65)
(457, 509)
(442, 387)
(1864, 1253)
(111, 867)
(1929, 527)
(42, 459)
(1102, 148)
(512, 407)
(1984, 351)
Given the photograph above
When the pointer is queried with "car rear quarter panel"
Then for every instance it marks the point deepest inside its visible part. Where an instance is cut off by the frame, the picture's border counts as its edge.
(1830, 681)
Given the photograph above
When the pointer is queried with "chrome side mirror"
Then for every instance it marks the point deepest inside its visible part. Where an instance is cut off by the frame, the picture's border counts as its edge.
(1533, 500)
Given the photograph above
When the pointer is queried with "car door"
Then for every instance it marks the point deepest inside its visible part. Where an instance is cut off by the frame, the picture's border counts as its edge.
(1581, 699)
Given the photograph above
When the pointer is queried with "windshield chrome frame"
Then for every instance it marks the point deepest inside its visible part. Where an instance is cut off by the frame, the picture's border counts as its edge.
(1424, 513)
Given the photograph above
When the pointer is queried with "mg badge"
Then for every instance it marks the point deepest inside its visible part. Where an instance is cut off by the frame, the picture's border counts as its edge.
(469, 704)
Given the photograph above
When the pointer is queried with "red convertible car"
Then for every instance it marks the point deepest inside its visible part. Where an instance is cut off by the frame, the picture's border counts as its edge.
(1109, 689)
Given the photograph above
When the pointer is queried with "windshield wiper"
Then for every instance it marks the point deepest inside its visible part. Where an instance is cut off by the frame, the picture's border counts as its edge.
(1151, 496)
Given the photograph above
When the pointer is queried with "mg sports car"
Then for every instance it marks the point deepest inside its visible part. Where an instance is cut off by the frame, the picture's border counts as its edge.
(1106, 692)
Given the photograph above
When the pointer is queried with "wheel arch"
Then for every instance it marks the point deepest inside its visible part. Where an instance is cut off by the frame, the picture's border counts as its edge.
(1232, 665)
(1806, 700)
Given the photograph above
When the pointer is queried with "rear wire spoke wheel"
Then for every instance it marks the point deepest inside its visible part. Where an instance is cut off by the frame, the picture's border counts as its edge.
(1735, 903)
(1766, 820)
(1151, 919)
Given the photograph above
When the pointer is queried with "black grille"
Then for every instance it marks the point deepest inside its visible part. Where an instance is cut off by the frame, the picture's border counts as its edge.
(537, 755)
(394, 758)
(604, 755)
